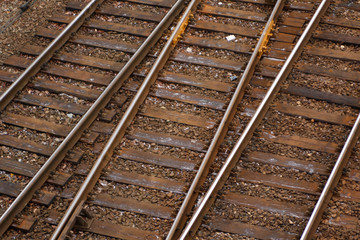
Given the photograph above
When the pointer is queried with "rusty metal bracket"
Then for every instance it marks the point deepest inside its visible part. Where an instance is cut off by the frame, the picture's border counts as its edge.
(268, 34)
(181, 30)
(84, 220)
(81, 220)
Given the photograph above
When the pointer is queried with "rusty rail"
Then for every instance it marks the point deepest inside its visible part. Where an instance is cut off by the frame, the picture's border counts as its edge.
(240, 145)
(211, 153)
(36, 182)
(68, 220)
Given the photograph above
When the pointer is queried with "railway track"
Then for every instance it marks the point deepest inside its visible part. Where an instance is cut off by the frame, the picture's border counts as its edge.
(215, 128)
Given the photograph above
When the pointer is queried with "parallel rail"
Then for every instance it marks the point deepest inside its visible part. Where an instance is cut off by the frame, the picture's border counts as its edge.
(332, 182)
(222, 129)
(46, 55)
(69, 218)
(240, 145)
(177, 230)
(38, 180)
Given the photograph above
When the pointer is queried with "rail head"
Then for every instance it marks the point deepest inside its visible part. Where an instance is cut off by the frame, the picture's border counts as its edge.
(95, 172)
(21, 81)
(191, 195)
(332, 182)
(260, 112)
(9, 94)
(40, 177)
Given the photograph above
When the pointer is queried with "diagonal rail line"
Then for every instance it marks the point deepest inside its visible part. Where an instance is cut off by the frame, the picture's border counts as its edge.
(36, 182)
(45, 56)
(221, 131)
(332, 181)
(68, 220)
(240, 145)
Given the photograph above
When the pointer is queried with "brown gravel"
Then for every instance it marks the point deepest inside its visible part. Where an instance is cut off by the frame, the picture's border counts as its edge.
(219, 36)
(123, 20)
(25, 27)
(318, 105)
(203, 112)
(281, 124)
(107, 54)
(259, 8)
(258, 217)
(326, 84)
(8, 10)
(338, 29)
(335, 46)
(134, 6)
(31, 135)
(242, 59)
(40, 112)
(149, 169)
(161, 149)
(172, 128)
(344, 12)
(230, 21)
(202, 72)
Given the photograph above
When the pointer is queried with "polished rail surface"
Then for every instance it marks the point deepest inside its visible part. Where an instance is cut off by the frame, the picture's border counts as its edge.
(211, 153)
(36, 182)
(240, 145)
(95, 172)
(45, 56)
(332, 181)
(22, 80)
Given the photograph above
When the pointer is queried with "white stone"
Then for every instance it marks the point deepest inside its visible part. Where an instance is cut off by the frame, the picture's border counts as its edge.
(230, 37)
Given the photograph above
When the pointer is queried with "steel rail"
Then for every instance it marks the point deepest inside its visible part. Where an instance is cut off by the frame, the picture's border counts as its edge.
(240, 145)
(75, 134)
(332, 181)
(104, 157)
(221, 131)
(46, 55)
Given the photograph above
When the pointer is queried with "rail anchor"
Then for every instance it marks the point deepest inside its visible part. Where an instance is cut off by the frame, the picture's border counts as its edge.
(268, 34)
(83, 220)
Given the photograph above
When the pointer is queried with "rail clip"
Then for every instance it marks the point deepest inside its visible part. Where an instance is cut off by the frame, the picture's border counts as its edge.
(268, 34)
(84, 220)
